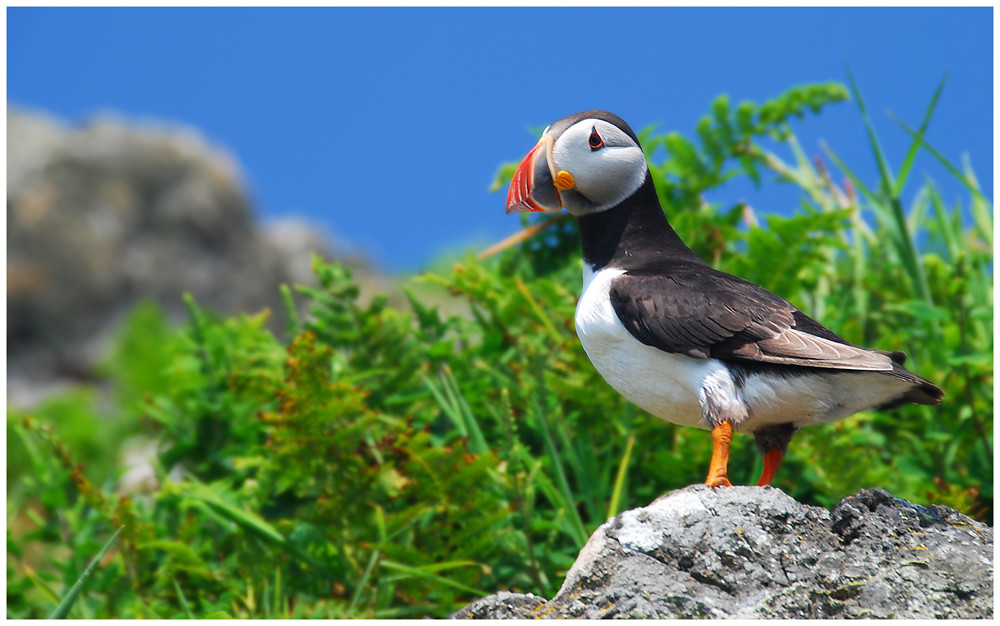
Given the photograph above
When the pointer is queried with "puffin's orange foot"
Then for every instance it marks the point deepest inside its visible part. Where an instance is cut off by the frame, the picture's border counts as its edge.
(718, 481)
(721, 436)
(772, 461)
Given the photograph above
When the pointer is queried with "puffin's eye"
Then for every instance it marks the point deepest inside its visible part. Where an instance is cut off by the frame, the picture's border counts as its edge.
(596, 143)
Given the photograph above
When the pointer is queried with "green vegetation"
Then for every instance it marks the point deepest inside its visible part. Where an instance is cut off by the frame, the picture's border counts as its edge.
(374, 461)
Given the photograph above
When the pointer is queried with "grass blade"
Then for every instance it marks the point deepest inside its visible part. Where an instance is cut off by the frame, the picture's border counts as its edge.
(452, 412)
(889, 214)
(539, 313)
(947, 164)
(364, 581)
(945, 227)
(918, 210)
(153, 614)
(911, 154)
(884, 170)
(982, 211)
(423, 573)
(453, 404)
(557, 498)
(182, 599)
(62, 611)
(573, 462)
(857, 182)
(292, 321)
(477, 439)
(620, 478)
(40, 584)
(278, 606)
(859, 258)
(562, 483)
(905, 245)
(252, 524)
(595, 471)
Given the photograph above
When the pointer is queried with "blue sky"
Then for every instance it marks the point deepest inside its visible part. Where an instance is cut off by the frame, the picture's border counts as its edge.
(386, 125)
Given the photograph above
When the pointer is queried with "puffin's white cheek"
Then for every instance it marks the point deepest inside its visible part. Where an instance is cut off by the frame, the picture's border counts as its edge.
(612, 178)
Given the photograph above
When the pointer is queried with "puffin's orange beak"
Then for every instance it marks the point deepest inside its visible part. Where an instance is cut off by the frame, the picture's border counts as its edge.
(532, 188)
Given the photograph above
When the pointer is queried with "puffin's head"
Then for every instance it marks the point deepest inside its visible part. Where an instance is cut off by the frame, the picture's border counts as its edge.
(583, 163)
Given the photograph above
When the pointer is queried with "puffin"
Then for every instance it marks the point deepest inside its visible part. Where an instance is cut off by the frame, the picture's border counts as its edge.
(687, 343)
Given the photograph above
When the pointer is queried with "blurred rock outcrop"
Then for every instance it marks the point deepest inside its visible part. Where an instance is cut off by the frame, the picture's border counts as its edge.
(103, 215)
(750, 552)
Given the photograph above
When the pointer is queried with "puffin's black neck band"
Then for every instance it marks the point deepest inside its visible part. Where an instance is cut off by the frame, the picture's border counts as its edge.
(634, 231)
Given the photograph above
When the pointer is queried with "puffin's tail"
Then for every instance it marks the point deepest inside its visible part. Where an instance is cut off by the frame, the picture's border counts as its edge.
(923, 391)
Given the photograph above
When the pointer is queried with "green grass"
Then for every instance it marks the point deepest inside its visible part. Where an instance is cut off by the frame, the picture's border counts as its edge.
(389, 461)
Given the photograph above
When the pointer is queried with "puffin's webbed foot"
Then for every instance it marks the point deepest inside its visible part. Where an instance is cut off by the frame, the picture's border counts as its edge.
(721, 436)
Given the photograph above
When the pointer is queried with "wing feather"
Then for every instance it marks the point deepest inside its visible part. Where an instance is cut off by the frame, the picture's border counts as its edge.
(696, 310)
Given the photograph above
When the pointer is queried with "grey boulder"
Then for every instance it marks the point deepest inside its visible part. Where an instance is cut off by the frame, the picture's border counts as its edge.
(751, 552)
(106, 214)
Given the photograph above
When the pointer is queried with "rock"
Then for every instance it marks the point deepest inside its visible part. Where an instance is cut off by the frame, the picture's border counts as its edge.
(502, 605)
(751, 552)
(113, 212)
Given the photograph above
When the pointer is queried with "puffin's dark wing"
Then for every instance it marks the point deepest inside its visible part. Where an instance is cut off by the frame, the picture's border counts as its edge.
(701, 312)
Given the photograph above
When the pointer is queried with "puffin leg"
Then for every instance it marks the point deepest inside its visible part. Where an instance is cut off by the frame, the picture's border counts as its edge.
(772, 442)
(772, 461)
(721, 436)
